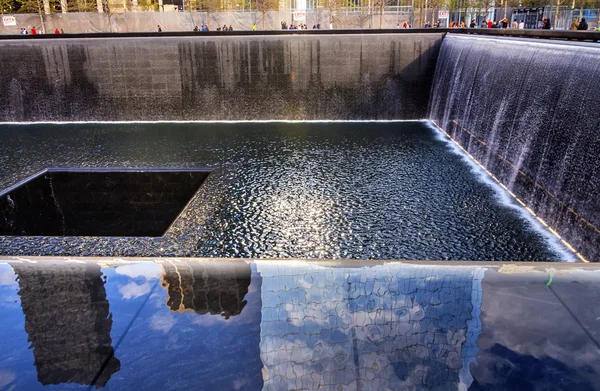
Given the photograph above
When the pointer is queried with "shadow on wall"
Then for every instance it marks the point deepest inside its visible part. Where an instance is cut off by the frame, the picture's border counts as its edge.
(532, 126)
(326, 77)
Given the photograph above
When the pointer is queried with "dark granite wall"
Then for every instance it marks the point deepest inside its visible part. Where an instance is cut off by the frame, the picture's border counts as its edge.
(528, 111)
(98, 202)
(218, 78)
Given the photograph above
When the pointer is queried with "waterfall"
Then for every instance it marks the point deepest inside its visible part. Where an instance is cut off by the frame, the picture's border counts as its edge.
(528, 111)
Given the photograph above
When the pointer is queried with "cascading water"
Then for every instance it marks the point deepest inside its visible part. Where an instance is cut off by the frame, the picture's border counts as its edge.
(528, 111)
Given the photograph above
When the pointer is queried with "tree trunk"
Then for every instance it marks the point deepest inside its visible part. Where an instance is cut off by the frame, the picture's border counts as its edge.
(556, 15)
(46, 8)
(380, 16)
(63, 6)
(99, 6)
(263, 17)
(42, 17)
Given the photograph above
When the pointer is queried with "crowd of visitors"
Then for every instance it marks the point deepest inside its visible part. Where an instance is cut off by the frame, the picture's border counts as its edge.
(543, 24)
(219, 28)
(302, 26)
(34, 31)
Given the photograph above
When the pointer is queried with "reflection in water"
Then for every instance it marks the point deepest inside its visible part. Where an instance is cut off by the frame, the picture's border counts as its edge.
(392, 326)
(206, 287)
(68, 322)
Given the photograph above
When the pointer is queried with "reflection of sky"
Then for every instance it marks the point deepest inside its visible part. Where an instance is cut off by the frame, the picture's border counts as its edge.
(160, 349)
(17, 370)
(384, 327)
(305, 325)
(171, 350)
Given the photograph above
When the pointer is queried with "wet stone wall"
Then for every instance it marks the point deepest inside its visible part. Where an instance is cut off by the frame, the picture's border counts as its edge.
(528, 111)
(218, 78)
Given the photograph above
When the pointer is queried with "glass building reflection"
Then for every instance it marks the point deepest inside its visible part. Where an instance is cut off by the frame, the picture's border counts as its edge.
(392, 326)
(206, 288)
(68, 323)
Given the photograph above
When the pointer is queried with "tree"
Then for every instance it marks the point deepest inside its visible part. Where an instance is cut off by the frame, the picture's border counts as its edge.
(332, 6)
(80, 5)
(7, 6)
(209, 6)
(40, 7)
(380, 5)
(264, 6)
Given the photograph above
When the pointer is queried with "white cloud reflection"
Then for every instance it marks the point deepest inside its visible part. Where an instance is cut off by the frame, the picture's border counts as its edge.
(162, 322)
(8, 277)
(148, 270)
(133, 290)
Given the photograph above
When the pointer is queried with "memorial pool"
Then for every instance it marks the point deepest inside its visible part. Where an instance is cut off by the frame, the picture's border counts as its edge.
(340, 190)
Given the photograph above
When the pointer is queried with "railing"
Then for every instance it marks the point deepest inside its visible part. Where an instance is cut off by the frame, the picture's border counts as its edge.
(591, 36)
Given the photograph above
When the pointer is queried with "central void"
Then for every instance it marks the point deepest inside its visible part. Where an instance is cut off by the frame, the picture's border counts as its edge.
(291, 190)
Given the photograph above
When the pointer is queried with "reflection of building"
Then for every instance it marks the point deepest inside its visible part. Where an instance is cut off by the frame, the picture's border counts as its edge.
(68, 322)
(393, 326)
(204, 287)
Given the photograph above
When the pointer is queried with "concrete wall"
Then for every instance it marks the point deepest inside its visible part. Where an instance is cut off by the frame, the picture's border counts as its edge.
(93, 22)
(218, 78)
(528, 111)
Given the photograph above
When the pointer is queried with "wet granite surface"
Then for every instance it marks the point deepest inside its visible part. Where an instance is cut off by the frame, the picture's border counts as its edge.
(174, 324)
(383, 76)
(288, 190)
(536, 134)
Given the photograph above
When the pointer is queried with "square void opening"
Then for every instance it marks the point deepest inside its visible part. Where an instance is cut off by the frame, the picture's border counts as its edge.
(101, 202)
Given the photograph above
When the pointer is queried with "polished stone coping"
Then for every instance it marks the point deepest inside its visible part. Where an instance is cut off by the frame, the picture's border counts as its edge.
(297, 324)
(539, 34)
(500, 266)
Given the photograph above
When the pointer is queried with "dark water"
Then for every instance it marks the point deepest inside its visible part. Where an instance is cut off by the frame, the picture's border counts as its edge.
(302, 190)
(232, 325)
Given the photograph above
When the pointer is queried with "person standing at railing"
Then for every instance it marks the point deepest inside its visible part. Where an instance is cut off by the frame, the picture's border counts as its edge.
(574, 24)
(515, 24)
(547, 24)
(521, 25)
(583, 26)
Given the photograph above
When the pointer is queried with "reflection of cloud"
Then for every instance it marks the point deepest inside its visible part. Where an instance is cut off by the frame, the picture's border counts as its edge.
(207, 320)
(6, 377)
(238, 384)
(148, 270)
(8, 277)
(133, 290)
(162, 322)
